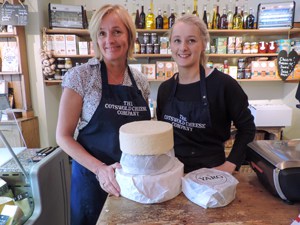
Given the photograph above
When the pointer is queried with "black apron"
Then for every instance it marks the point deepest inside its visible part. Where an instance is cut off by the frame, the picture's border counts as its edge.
(189, 119)
(100, 137)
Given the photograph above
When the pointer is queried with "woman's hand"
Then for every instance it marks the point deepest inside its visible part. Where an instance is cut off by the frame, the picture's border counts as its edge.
(106, 177)
(227, 167)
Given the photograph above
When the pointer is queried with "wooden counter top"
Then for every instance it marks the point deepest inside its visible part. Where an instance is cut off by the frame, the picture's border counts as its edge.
(253, 205)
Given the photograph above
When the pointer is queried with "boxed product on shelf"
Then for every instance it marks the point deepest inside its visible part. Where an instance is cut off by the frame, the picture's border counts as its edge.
(149, 70)
(83, 48)
(233, 71)
(221, 44)
(164, 45)
(165, 70)
(160, 70)
(270, 113)
(59, 44)
(238, 45)
(50, 43)
(231, 45)
(263, 69)
(71, 44)
(136, 66)
(283, 44)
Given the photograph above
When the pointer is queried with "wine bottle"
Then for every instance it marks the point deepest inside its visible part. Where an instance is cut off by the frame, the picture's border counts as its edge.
(142, 19)
(216, 18)
(245, 13)
(150, 20)
(171, 19)
(137, 19)
(137, 45)
(230, 15)
(166, 20)
(159, 21)
(237, 20)
(205, 16)
(195, 12)
(250, 20)
(223, 20)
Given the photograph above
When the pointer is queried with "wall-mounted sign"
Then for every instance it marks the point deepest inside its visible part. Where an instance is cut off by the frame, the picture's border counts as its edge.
(286, 63)
(16, 15)
(276, 15)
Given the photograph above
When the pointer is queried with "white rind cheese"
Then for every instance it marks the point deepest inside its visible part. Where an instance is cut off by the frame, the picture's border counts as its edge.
(146, 137)
(148, 189)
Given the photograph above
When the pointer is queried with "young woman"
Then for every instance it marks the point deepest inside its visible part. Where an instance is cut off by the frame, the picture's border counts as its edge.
(202, 103)
(102, 94)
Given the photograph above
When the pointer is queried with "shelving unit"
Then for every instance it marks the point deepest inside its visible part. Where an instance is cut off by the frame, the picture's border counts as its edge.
(286, 33)
(20, 84)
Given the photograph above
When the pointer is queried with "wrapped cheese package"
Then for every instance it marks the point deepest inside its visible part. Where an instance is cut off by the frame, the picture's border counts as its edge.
(209, 188)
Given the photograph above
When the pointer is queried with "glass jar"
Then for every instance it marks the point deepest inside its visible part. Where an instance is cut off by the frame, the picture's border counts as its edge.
(68, 63)
(60, 63)
(146, 38)
(153, 38)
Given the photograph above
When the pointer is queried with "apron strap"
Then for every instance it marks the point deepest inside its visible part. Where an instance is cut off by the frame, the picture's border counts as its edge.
(105, 77)
(203, 92)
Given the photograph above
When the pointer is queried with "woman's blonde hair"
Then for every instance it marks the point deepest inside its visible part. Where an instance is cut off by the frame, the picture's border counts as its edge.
(204, 34)
(97, 18)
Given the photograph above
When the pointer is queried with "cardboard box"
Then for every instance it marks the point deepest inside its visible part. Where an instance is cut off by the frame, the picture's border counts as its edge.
(221, 43)
(160, 70)
(71, 44)
(149, 71)
(59, 44)
(83, 48)
(164, 45)
(270, 113)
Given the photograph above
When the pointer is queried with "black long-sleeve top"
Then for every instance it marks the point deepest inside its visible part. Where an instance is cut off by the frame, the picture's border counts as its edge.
(228, 104)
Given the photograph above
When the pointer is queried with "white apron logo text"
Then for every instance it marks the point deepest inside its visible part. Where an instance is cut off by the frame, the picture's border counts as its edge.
(183, 124)
(127, 109)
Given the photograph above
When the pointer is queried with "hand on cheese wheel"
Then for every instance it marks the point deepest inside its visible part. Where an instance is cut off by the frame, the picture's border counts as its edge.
(106, 176)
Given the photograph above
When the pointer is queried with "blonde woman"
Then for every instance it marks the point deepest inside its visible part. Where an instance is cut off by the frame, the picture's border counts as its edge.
(202, 103)
(100, 95)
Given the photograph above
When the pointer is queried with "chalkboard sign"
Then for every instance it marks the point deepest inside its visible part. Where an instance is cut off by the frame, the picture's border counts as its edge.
(286, 63)
(16, 15)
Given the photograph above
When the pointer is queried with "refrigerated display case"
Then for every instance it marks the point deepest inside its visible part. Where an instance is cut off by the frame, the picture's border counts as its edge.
(38, 184)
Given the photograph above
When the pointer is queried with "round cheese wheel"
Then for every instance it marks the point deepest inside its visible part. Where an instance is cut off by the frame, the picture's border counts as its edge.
(146, 137)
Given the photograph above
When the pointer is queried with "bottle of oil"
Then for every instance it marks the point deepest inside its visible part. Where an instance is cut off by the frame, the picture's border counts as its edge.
(195, 12)
(216, 18)
(230, 15)
(142, 19)
(150, 20)
(137, 45)
(137, 19)
(223, 20)
(171, 19)
(237, 20)
(166, 20)
(205, 16)
(159, 21)
(250, 20)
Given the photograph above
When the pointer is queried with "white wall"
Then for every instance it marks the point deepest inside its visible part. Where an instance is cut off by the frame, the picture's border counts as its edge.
(46, 98)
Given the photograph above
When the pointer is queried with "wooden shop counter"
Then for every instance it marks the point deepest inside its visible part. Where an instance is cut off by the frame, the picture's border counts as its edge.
(253, 205)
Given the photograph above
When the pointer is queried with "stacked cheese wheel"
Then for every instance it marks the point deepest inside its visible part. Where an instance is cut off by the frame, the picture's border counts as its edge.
(150, 173)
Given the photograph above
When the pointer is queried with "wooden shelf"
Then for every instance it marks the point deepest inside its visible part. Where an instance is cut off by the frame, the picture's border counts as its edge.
(73, 56)
(10, 73)
(79, 32)
(258, 32)
(243, 55)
